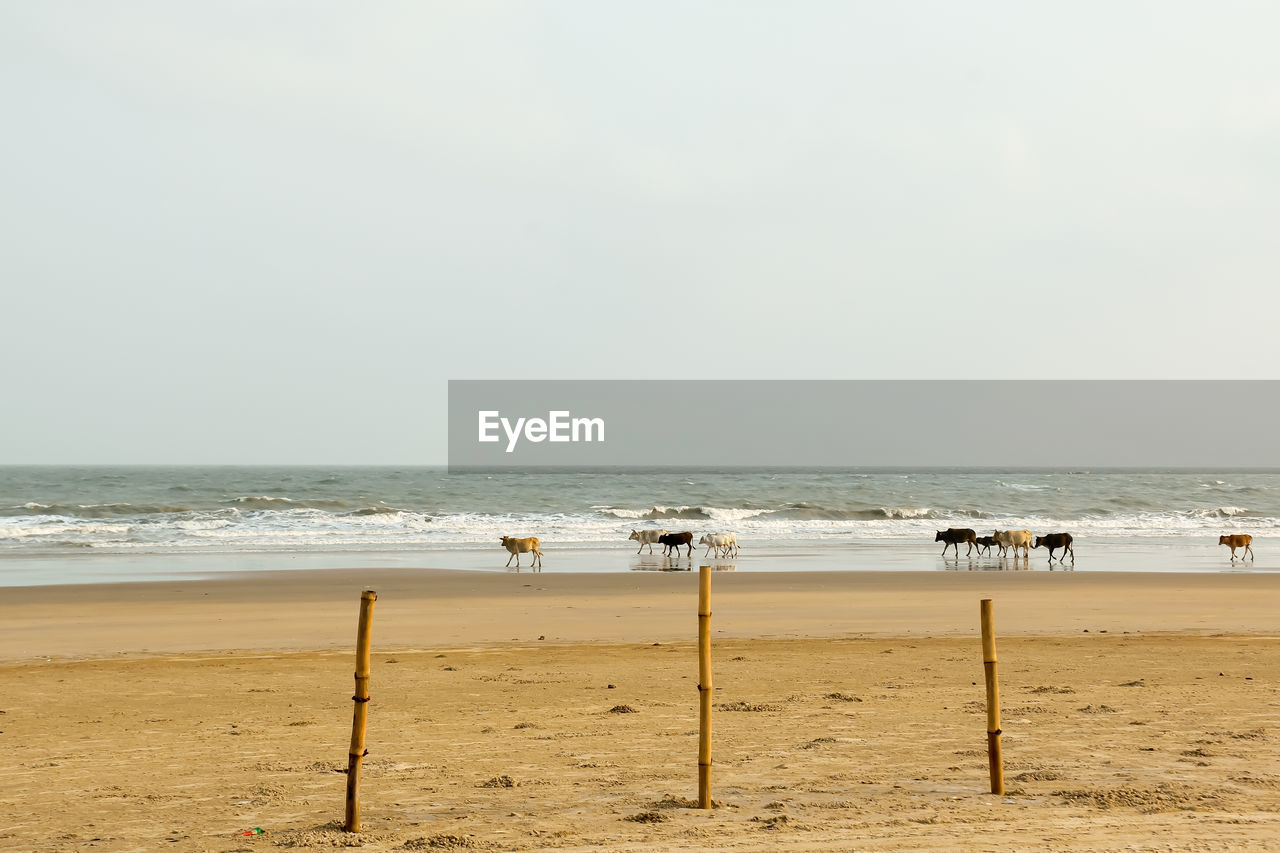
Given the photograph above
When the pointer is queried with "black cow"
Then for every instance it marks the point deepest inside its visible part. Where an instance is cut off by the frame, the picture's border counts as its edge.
(1054, 541)
(984, 543)
(673, 541)
(954, 536)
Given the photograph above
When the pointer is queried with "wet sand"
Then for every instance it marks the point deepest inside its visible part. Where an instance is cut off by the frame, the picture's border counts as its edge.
(1161, 555)
(542, 711)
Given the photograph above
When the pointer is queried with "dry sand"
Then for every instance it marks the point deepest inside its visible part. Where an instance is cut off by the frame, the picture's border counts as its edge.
(524, 712)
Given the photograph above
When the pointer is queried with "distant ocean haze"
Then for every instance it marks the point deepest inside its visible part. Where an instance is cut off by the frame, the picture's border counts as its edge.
(124, 510)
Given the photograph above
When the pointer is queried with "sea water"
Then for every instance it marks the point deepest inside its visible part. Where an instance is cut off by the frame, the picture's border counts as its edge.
(66, 524)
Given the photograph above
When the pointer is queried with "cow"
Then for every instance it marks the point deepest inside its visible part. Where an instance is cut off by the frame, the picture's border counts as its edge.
(984, 543)
(522, 546)
(1238, 540)
(954, 536)
(726, 541)
(1054, 541)
(1014, 539)
(672, 542)
(646, 537)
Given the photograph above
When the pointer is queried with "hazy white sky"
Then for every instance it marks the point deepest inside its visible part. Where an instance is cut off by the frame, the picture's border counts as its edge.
(270, 232)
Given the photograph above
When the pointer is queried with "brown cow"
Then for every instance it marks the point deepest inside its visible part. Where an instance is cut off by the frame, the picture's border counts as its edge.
(522, 546)
(984, 543)
(1238, 540)
(672, 542)
(954, 536)
(1054, 541)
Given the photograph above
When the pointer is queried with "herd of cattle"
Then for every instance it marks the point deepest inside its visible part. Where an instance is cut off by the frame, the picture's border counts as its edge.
(1007, 540)
(726, 544)
(723, 543)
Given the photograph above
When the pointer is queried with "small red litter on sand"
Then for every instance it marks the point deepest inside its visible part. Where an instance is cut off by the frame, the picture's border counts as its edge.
(257, 830)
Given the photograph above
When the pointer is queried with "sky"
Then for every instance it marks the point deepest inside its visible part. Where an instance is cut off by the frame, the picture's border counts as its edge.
(271, 232)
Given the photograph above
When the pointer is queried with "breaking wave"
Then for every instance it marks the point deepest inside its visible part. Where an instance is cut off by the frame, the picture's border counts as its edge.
(793, 512)
(708, 513)
(1223, 512)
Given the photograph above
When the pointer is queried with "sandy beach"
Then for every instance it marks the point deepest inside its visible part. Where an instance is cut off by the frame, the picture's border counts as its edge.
(544, 711)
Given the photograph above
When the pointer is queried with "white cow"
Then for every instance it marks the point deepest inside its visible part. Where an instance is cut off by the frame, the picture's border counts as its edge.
(1014, 539)
(646, 537)
(720, 541)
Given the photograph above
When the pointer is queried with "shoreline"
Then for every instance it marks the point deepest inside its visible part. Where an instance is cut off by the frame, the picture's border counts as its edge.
(1103, 555)
(420, 608)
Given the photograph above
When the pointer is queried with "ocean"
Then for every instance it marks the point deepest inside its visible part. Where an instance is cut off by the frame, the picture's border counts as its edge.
(70, 524)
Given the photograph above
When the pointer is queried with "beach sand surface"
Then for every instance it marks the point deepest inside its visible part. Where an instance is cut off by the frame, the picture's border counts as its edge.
(542, 711)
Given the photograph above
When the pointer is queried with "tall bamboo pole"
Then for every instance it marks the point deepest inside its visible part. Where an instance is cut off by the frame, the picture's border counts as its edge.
(355, 756)
(704, 687)
(994, 759)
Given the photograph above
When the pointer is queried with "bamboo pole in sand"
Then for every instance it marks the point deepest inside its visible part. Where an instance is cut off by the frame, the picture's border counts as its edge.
(993, 699)
(355, 756)
(704, 687)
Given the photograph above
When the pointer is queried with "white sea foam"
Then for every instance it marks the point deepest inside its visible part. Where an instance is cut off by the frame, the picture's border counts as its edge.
(47, 526)
(724, 514)
(201, 524)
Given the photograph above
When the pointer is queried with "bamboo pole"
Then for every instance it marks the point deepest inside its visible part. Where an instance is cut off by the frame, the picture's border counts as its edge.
(704, 687)
(355, 756)
(996, 763)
